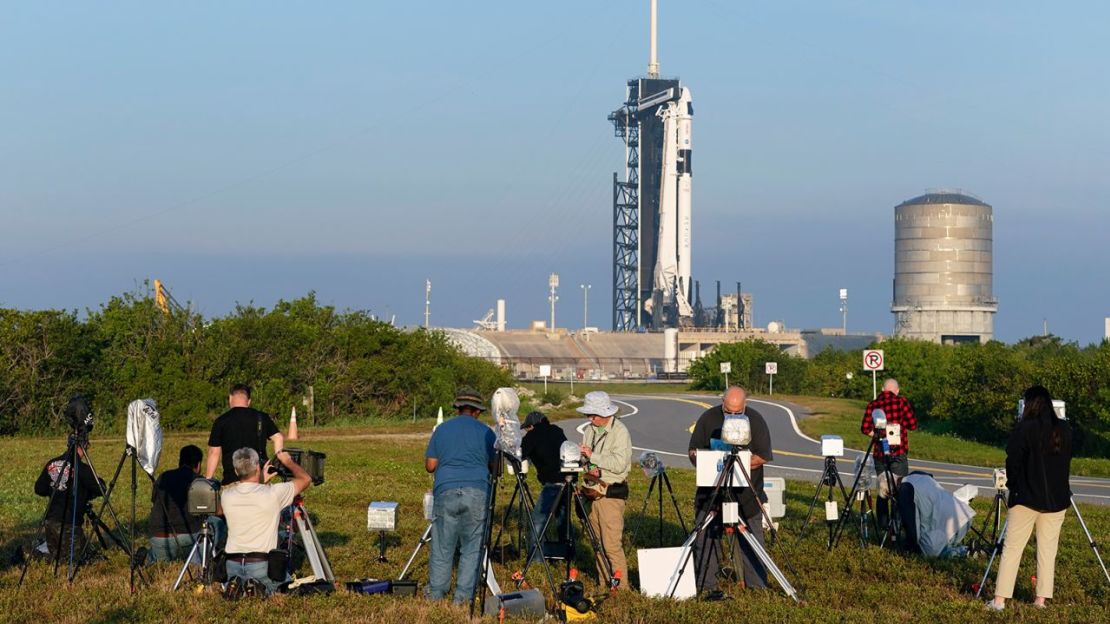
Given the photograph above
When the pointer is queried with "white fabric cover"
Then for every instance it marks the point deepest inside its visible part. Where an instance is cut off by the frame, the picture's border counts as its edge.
(144, 432)
(941, 518)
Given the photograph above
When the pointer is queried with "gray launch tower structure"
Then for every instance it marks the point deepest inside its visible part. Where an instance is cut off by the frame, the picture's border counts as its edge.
(651, 205)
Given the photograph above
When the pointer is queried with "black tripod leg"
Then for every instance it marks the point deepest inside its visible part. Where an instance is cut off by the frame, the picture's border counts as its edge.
(651, 487)
(537, 545)
(674, 501)
(852, 493)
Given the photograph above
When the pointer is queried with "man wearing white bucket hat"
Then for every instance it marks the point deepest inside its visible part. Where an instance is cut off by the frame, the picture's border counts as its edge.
(607, 446)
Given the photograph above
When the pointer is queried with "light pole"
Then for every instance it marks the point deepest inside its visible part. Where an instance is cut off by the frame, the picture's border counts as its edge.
(844, 309)
(553, 284)
(585, 305)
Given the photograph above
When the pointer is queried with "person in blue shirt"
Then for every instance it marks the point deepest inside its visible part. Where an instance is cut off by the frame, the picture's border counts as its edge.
(461, 456)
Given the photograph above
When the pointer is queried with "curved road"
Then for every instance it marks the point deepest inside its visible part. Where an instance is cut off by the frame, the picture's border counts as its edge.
(661, 424)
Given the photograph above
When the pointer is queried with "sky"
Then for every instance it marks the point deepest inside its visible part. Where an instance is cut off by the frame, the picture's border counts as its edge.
(252, 151)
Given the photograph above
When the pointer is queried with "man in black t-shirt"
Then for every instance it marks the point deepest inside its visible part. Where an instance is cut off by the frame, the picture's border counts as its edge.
(540, 447)
(65, 516)
(707, 436)
(240, 427)
(172, 529)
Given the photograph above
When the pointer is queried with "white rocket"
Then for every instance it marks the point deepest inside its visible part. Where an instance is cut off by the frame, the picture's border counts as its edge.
(672, 264)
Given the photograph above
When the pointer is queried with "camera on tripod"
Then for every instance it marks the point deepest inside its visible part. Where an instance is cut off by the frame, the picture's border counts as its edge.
(572, 594)
(570, 458)
(651, 464)
(1000, 479)
(311, 461)
(80, 418)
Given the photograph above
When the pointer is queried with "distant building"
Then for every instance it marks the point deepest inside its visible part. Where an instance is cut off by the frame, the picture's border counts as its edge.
(943, 268)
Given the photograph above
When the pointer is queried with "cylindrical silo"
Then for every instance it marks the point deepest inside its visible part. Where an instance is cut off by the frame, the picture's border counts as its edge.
(943, 268)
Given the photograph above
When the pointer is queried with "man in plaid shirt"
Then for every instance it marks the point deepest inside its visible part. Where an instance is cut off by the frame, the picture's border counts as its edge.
(899, 421)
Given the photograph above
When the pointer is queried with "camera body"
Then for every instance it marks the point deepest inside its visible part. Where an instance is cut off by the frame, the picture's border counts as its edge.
(311, 461)
(572, 593)
(203, 498)
(1000, 479)
(570, 458)
(80, 418)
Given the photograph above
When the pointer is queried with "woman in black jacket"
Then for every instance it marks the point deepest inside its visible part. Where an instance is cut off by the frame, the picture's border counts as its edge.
(1038, 461)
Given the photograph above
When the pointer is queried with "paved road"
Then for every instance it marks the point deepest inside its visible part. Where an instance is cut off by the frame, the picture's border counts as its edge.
(662, 423)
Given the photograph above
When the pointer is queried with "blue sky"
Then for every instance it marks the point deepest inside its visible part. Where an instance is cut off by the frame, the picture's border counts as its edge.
(254, 151)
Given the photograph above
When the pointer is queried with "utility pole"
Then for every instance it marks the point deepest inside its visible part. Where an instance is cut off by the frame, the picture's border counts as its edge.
(585, 305)
(427, 304)
(553, 284)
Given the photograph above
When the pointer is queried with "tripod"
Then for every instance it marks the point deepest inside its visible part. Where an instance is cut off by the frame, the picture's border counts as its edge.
(525, 507)
(69, 476)
(301, 524)
(483, 577)
(661, 478)
(891, 529)
(424, 539)
(722, 495)
(128, 453)
(1001, 541)
(981, 543)
(829, 478)
(204, 546)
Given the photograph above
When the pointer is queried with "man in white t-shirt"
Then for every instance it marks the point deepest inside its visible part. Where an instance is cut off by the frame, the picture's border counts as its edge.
(252, 509)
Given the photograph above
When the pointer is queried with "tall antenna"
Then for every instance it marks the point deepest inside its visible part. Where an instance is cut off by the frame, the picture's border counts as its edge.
(427, 304)
(553, 284)
(653, 62)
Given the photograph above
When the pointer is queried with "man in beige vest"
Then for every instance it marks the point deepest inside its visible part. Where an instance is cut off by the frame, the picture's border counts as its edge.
(607, 446)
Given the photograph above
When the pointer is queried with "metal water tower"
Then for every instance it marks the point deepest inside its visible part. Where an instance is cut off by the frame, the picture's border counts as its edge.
(943, 268)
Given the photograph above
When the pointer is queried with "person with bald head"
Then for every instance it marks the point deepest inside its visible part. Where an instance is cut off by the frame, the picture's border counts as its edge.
(707, 436)
(899, 422)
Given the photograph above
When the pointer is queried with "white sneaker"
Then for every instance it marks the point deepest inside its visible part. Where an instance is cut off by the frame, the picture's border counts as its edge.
(993, 606)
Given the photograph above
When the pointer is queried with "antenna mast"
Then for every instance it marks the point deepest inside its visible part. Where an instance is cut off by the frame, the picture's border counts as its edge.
(653, 63)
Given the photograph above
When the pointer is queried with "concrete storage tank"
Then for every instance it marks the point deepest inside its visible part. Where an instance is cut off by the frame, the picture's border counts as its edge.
(943, 268)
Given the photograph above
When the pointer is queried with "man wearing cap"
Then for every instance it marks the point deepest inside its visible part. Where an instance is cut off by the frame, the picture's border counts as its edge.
(461, 456)
(707, 436)
(540, 447)
(607, 447)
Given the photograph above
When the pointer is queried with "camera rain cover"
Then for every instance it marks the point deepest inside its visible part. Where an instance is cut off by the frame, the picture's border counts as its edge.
(144, 432)
(504, 406)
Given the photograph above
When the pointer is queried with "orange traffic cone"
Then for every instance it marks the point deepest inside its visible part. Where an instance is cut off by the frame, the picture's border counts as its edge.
(293, 425)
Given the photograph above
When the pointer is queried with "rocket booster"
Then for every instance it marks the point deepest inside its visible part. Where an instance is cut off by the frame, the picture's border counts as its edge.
(673, 266)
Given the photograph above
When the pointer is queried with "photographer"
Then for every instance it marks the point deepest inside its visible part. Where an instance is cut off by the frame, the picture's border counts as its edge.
(240, 427)
(252, 508)
(900, 421)
(65, 517)
(461, 455)
(607, 446)
(1038, 462)
(171, 528)
(707, 436)
(540, 447)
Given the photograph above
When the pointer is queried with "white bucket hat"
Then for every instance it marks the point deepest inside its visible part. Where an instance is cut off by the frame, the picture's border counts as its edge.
(598, 403)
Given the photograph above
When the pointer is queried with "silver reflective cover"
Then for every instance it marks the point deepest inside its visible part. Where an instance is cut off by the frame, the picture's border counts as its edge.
(504, 405)
(144, 432)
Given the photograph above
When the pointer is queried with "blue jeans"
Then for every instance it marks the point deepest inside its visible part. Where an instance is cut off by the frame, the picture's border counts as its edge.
(256, 570)
(459, 520)
(170, 548)
(548, 498)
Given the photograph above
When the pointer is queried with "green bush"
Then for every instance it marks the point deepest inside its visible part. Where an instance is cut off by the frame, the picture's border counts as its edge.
(128, 348)
(970, 390)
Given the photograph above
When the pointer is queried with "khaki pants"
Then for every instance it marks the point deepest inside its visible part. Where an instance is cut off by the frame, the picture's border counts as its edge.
(1020, 521)
(607, 519)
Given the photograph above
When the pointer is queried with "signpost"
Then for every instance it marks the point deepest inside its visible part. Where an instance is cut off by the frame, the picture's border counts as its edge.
(545, 372)
(772, 369)
(726, 368)
(873, 361)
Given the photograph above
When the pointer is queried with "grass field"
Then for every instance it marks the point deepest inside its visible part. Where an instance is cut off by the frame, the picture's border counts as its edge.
(842, 417)
(848, 584)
